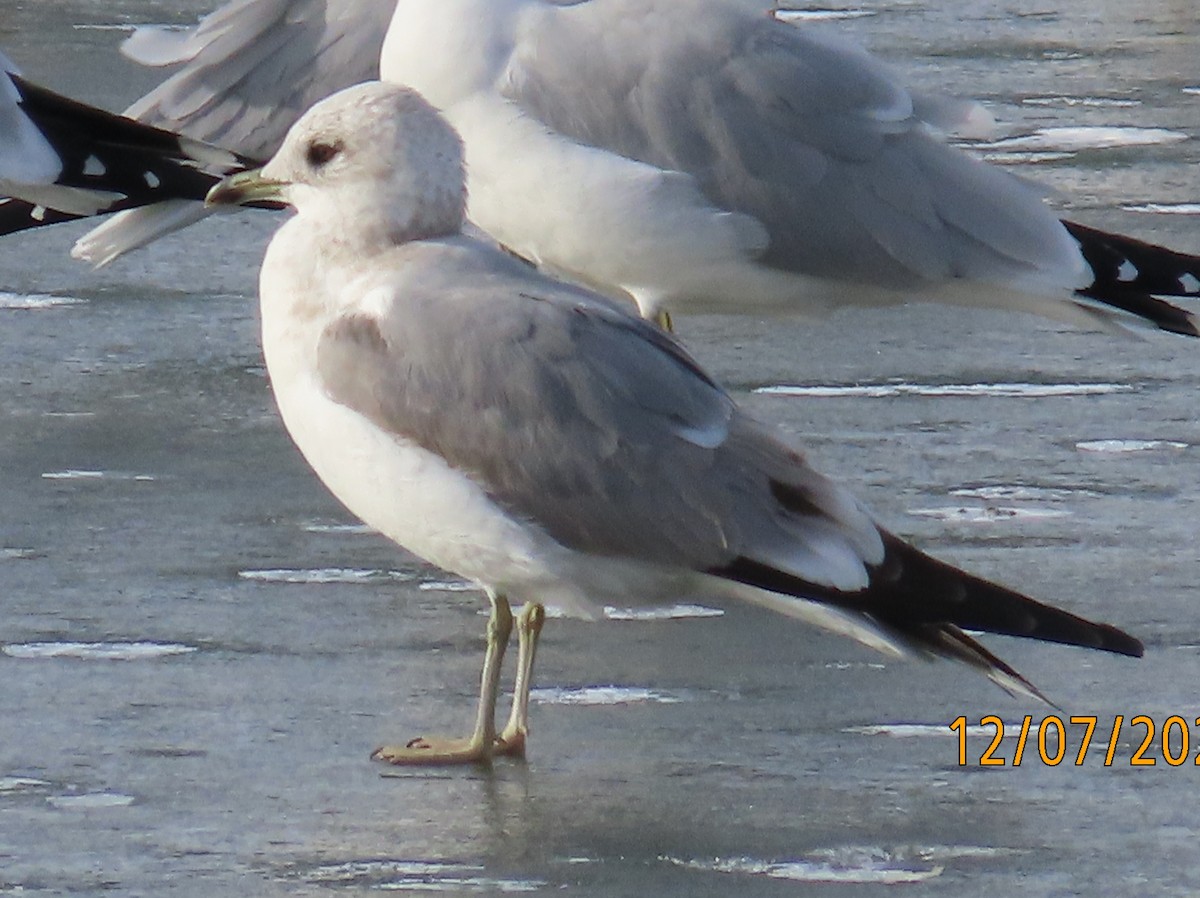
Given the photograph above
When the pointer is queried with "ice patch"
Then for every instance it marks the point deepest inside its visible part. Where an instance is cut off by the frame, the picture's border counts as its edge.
(96, 651)
(20, 784)
(1017, 158)
(853, 665)
(1018, 493)
(1075, 139)
(1165, 208)
(951, 852)
(602, 695)
(1125, 447)
(669, 612)
(681, 611)
(418, 876)
(1100, 102)
(859, 865)
(74, 474)
(447, 586)
(986, 514)
(880, 391)
(13, 553)
(36, 301)
(925, 730)
(90, 801)
(821, 15)
(339, 528)
(1061, 55)
(325, 575)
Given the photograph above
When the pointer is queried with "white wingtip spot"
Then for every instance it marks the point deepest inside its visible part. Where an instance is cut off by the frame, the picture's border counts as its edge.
(1190, 283)
(38, 213)
(152, 180)
(1127, 272)
(94, 168)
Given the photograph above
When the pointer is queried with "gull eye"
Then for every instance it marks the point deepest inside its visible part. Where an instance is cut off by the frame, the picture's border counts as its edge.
(320, 153)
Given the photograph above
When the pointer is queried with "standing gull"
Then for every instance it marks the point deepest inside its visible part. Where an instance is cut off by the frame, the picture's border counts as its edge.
(694, 155)
(537, 439)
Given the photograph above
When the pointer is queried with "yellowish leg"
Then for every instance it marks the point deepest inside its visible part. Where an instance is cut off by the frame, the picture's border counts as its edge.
(529, 631)
(479, 747)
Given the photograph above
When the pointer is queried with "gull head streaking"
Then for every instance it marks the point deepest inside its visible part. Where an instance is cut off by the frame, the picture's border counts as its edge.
(543, 442)
(371, 171)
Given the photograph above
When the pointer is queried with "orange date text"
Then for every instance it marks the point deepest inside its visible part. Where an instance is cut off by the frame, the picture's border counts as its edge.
(1055, 740)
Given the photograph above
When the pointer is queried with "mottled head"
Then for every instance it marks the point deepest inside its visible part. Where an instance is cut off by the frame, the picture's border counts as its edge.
(372, 165)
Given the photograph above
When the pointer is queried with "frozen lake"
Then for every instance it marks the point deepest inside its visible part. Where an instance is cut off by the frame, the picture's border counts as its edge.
(198, 650)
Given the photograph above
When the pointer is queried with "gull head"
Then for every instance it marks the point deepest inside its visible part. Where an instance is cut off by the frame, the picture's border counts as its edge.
(373, 166)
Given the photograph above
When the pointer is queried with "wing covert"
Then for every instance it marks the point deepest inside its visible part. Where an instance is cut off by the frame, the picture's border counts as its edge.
(589, 423)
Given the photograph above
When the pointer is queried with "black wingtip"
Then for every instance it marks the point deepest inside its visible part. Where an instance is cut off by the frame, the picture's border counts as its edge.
(1131, 274)
(18, 215)
(915, 585)
(109, 155)
(1115, 640)
(911, 592)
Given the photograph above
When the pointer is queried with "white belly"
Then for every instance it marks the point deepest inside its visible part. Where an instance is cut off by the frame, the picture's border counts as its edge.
(410, 495)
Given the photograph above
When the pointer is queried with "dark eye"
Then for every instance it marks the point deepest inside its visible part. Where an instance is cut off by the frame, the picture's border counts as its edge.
(319, 152)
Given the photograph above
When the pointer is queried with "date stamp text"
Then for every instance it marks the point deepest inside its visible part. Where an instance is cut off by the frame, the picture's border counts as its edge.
(1055, 740)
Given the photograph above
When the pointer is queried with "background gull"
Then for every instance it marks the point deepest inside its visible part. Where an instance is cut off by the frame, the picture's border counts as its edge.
(66, 159)
(694, 155)
(537, 439)
(26, 157)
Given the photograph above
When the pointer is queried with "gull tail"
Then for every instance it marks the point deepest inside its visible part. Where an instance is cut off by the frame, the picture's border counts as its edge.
(132, 229)
(1131, 274)
(926, 605)
(107, 163)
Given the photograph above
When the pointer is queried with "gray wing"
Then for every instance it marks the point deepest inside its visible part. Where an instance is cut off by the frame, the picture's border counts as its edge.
(591, 424)
(249, 70)
(809, 135)
(252, 67)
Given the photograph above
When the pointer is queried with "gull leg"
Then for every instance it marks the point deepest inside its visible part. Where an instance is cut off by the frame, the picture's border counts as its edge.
(529, 631)
(479, 747)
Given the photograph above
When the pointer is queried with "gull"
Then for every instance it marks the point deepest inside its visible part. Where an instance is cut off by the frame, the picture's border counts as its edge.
(690, 155)
(545, 442)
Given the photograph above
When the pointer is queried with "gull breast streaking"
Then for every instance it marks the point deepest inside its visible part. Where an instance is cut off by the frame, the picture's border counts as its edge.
(540, 440)
(695, 155)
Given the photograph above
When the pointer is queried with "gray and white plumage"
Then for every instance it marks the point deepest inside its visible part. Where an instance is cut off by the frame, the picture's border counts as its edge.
(536, 438)
(64, 159)
(808, 136)
(691, 154)
(248, 72)
(30, 166)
